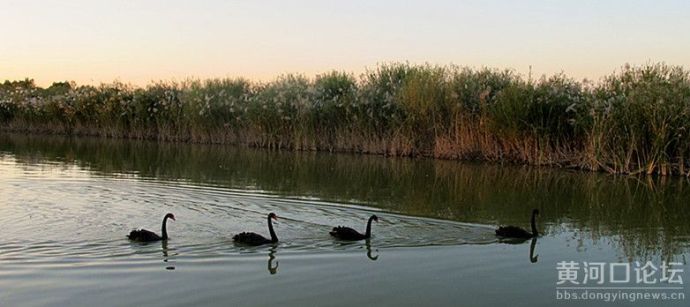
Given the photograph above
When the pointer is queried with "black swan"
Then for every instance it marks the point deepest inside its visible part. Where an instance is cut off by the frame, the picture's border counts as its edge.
(347, 233)
(254, 239)
(143, 235)
(517, 232)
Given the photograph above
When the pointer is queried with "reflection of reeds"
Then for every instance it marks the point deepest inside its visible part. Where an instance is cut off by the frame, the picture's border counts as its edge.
(642, 215)
(634, 121)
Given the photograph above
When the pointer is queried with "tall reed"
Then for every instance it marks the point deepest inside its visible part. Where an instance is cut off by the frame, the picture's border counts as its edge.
(632, 121)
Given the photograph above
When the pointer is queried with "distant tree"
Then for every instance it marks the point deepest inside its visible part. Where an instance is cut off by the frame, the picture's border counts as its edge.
(23, 84)
(58, 88)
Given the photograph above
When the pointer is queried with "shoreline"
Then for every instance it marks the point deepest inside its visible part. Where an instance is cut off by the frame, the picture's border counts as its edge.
(372, 148)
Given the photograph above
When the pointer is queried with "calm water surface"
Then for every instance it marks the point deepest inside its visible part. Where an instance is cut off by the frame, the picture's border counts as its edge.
(67, 204)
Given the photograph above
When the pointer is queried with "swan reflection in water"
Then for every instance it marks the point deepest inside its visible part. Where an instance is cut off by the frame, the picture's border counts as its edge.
(532, 246)
(372, 254)
(271, 257)
(164, 248)
(367, 243)
(532, 257)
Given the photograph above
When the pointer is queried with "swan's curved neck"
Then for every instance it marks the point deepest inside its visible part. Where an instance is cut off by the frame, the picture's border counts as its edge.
(274, 238)
(367, 234)
(534, 224)
(164, 229)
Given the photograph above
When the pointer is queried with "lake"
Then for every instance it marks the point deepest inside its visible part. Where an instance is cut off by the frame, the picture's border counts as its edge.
(66, 205)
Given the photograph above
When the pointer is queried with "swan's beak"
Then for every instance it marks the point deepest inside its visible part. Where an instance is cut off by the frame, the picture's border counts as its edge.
(173, 218)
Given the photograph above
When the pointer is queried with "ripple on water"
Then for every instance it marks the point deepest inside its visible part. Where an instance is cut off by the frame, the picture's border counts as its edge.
(53, 221)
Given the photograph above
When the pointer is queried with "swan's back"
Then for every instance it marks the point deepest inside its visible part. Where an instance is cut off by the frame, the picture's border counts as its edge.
(346, 233)
(513, 232)
(143, 235)
(250, 238)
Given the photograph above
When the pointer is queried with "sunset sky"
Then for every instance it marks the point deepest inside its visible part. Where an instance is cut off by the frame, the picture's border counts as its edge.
(137, 41)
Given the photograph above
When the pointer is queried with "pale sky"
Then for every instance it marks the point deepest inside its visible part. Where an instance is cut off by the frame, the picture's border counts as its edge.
(137, 41)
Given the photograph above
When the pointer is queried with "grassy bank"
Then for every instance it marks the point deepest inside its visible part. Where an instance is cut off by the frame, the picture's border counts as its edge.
(633, 121)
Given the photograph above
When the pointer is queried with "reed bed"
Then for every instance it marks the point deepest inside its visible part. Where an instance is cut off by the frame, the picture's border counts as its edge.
(635, 121)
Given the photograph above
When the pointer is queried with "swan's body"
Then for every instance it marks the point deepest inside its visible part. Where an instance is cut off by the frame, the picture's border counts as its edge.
(517, 232)
(349, 234)
(143, 235)
(513, 232)
(250, 238)
(255, 239)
